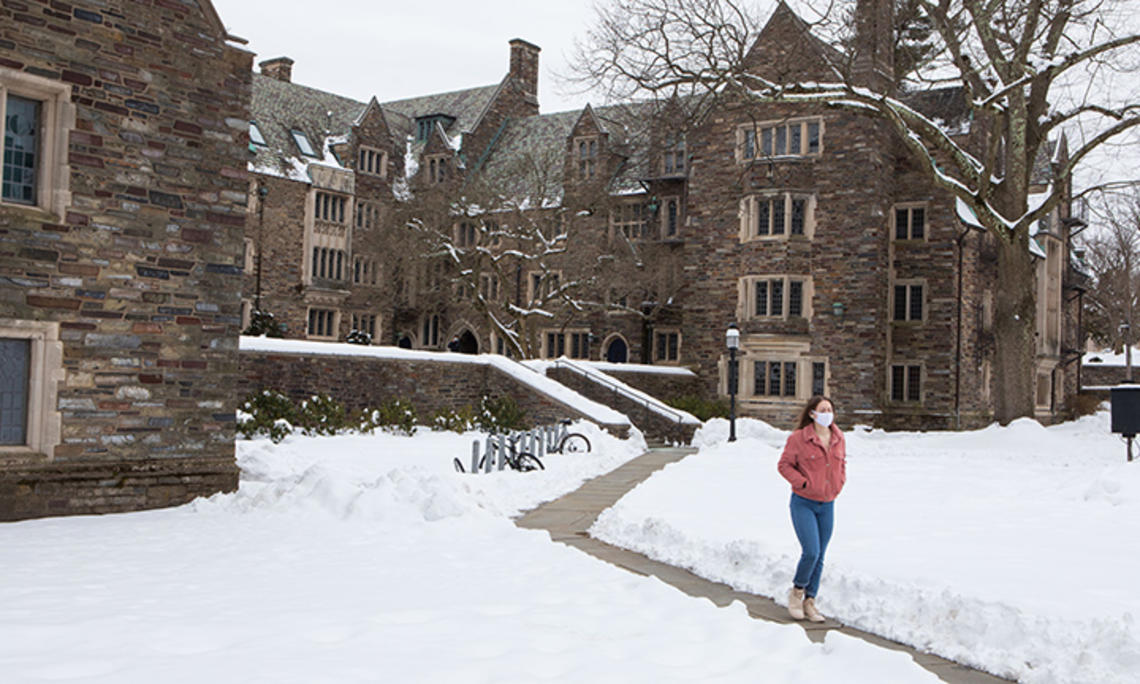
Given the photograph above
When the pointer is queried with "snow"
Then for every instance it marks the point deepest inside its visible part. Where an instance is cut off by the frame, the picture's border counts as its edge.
(1108, 358)
(535, 380)
(606, 380)
(1004, 548)
(365, 559)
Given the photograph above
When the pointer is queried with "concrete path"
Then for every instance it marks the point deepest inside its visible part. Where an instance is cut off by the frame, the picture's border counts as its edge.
(568, 518)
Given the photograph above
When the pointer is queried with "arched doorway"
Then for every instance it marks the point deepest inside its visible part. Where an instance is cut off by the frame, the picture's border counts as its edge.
(405, 341)
(467, 343)
(617, 351)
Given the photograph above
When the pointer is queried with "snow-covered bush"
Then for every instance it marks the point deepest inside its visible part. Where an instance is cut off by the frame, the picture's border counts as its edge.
(264, 323)
(500, 415)
(322, 415)
(267, 413)
(358, 337)
(396, 416)
(453, 420)
(700, 407)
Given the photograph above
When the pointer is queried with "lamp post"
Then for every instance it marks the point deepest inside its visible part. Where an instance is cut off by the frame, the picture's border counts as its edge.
(732, 341)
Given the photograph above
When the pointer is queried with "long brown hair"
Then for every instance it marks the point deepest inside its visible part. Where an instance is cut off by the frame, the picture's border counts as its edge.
(805, 415)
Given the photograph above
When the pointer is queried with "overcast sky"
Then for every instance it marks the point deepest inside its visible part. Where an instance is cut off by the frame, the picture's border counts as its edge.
(393, 50)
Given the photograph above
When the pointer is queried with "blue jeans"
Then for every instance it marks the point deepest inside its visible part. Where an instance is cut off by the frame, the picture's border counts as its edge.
(812, 521)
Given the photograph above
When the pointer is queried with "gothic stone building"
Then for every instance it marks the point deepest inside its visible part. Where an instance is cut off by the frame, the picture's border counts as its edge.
(848, 272)
(121, 224)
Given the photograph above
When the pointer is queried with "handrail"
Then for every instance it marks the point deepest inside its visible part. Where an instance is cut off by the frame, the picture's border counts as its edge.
(601, 379)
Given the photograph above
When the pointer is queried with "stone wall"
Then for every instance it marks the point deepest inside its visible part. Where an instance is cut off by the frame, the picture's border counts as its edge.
(137, 258)
(367, 382)
(663, 386)
(654, 425)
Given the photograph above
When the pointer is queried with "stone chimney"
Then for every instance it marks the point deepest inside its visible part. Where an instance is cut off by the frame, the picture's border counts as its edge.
(524, 68)
(874, 65)
(280, 68)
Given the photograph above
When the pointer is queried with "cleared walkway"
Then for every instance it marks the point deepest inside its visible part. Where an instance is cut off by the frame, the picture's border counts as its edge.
(568, 518)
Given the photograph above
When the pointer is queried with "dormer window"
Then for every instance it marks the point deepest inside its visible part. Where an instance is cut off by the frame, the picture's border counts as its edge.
(673, 162)
(437, 169)
(587, 155)
(372, 161)
(303, 143)
(424, 124)
(255, 135)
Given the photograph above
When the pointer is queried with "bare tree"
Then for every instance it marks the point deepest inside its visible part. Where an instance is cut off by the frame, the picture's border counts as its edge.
(1113, 256)
(1031, 70)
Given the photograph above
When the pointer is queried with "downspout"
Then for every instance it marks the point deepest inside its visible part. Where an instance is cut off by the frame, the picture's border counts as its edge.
(262, 192)
(958, 340)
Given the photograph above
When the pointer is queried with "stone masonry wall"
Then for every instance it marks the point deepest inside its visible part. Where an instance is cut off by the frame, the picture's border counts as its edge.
(142, 267)
(364, 382)
(652, 424)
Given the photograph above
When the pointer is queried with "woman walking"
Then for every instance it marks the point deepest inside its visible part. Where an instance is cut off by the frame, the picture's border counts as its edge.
(814, 462)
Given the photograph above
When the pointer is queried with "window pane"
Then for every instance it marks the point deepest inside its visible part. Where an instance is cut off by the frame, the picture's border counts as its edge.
(794, 133)
(774, 379)
(898, 380)
(303, 143)
(14, 365)
(901, 224)
(781, 140)
(795, 298)
(912, 382)
(916, 302)
(777, 298)
(798, 206)
(674, 343)
(761, 297)
(766, 142)
(255, 135)
(790, 379)
(918, 223)
(759, 375)
(763, 218)
(900, 302)
(817, 374)
(778, 216)
(813, 138)
(750, 144)
(671, 219)
(21, 146)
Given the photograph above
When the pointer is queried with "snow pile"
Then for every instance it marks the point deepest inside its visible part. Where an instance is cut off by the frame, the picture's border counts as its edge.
(1003, 548)
(363, 559)
(1108, 357)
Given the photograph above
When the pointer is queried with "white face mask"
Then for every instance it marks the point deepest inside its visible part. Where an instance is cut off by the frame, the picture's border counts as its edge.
(824, 419)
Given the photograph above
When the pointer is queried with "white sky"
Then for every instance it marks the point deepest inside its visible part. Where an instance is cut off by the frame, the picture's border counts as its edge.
(393, 50)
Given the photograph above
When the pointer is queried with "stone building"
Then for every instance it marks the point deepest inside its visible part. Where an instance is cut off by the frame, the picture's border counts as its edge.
(846, 269)
(121, 225)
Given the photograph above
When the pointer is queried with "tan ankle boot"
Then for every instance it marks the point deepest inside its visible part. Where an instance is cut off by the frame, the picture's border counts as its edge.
(811, 611)
(796, 603)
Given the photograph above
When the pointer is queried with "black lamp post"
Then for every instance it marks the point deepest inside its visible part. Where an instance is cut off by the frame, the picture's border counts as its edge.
(732, 341)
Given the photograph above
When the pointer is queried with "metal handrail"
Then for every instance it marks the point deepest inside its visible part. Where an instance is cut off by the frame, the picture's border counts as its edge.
(602, 380)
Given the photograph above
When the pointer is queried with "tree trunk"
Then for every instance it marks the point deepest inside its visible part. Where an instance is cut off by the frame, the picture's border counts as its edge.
(1015, 328)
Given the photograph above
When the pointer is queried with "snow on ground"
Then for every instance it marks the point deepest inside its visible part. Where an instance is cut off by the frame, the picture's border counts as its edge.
(368, 559)
(1009, 549)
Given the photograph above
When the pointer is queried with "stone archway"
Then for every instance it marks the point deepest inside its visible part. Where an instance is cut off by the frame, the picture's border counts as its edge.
(405, 341)
(617, 351)
(468, 343)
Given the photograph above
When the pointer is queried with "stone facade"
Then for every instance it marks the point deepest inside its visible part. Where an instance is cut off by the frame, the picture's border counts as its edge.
(875, 290)
(121, 270)
(653, 424)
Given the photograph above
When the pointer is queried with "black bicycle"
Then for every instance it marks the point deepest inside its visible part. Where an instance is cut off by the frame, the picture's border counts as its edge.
(570, 442)
(522, 461)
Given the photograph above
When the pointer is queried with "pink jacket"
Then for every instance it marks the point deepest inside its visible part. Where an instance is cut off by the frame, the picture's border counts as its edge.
(814, 472)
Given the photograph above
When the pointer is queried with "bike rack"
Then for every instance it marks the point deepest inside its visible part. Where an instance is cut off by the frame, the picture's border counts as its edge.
(538, 441)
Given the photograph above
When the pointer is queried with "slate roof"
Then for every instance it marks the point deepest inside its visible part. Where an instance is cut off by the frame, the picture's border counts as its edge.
(465, 105)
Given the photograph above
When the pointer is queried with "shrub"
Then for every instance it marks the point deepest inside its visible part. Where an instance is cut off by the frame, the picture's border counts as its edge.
(322, 415)
(264, 323)
(500, 415)
(1084, 404)
(358, 337)
(700, 407)
(267, 413)
(396, 416)
(452, 420)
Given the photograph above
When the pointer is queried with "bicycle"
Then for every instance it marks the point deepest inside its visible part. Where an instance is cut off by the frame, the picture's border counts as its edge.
(570, 442)
(522, 461)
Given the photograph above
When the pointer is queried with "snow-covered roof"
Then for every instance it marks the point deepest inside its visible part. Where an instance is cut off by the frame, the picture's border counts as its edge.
(533, 379)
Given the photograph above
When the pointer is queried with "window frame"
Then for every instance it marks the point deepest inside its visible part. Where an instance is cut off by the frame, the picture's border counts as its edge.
(656, 355)
(617, 226)
(749, 213)
(757, 129)
(372, 161)
(301, 140)
(586, 164)
(909, 208)
(333, 323)
(46, 374)
(542, 283)
(57, 121)
(746, 297)
(909, 284)
(906, 389)
(256, 137)
(663, 218)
